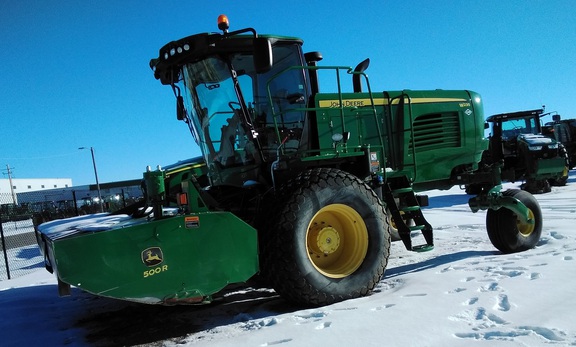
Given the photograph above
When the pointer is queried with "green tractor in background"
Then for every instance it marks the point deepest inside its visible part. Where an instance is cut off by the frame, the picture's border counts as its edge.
(295, 184)
(517, 141)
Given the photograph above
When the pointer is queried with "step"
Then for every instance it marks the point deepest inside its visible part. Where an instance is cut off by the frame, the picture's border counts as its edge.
(402, 190)
(423, 248)
(410, 208)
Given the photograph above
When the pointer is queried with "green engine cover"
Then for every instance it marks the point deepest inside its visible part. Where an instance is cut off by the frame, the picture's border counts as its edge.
(423, 135)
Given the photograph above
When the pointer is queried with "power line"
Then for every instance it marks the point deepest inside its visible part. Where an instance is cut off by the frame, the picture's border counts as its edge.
(44, 157)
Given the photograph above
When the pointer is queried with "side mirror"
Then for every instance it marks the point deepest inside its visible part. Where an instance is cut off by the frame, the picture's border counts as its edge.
(180, 111)
(356, 81)
(556, 117)
(262, 55)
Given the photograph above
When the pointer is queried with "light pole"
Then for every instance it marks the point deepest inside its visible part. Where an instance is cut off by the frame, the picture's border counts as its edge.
(96, 175)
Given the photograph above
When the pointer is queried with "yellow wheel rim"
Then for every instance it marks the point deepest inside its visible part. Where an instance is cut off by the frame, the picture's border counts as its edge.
(337, 241)
(524, 228)
(391, 221)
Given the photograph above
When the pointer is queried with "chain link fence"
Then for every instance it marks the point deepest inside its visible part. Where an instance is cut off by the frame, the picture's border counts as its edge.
(20, 252)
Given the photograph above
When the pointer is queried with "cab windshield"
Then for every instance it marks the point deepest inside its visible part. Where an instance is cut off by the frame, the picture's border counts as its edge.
(511, 128)
(271, 101)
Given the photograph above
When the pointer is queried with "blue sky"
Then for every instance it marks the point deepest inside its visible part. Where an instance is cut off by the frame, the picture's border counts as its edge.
(75, 73)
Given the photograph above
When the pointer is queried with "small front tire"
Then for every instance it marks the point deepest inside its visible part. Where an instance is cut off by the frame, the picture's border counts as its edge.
(505, 230)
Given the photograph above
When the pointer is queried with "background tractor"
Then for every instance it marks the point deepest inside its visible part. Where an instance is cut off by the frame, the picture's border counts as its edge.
(517, 142)
(294, 183)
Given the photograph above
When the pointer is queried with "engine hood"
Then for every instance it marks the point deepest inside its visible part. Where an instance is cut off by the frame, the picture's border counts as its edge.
(536, 140)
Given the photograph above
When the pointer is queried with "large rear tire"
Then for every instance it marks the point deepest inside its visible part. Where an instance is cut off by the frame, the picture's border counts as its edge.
(505, 230)
(331, 240)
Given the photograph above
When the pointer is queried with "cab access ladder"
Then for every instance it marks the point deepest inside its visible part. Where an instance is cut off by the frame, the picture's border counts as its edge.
(404, 207)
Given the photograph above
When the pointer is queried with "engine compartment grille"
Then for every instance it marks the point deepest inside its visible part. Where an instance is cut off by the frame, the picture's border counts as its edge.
(436, 131)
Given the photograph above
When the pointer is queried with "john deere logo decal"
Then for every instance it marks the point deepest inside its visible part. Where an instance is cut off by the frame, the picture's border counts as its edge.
(152, 256)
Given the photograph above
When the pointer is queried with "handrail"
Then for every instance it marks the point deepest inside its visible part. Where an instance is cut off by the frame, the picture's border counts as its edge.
(337, 69)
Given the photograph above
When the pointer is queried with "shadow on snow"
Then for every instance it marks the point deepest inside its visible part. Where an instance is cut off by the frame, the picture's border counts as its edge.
(440, 260)
(447, 200)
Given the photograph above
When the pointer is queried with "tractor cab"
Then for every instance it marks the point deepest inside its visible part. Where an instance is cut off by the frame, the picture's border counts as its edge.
(242, 96)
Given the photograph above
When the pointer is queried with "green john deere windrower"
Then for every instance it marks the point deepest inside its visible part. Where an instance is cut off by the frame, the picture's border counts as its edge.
(299, 186)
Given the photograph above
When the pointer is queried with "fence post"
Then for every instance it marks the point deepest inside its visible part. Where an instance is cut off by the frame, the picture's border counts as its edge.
(4, 247)
(75, 203)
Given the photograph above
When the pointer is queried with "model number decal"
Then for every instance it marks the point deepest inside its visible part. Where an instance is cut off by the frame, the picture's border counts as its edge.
(155, 271)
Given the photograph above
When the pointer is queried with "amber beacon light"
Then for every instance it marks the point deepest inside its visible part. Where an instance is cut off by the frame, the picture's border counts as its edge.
(223, 23)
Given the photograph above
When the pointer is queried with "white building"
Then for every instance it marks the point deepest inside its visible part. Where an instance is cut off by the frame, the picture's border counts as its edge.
(22, 185)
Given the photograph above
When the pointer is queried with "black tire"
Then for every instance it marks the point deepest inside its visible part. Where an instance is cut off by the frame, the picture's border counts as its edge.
(331, 240)
(507, 233)
(562, 180)
(533, 186)
(394, 233)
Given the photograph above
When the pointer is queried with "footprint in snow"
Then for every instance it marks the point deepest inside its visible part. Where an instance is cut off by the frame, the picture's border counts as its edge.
(275, 342)
(310, 317)
(479, 319)
(457, 290)
(556, 235)
(510, 272)
(502, 303)
(379, 308)
(492, 287)
(488, 319)
(550, 335)
(541, 264)
(413, 295)
(535, 276)
(451, 268)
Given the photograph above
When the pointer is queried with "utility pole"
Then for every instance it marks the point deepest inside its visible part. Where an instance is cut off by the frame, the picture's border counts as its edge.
(96, 175)
(14, 198)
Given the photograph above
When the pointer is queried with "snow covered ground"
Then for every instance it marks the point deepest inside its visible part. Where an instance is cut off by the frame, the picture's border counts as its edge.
(18, 228)
(463, 293)
(24, 259)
